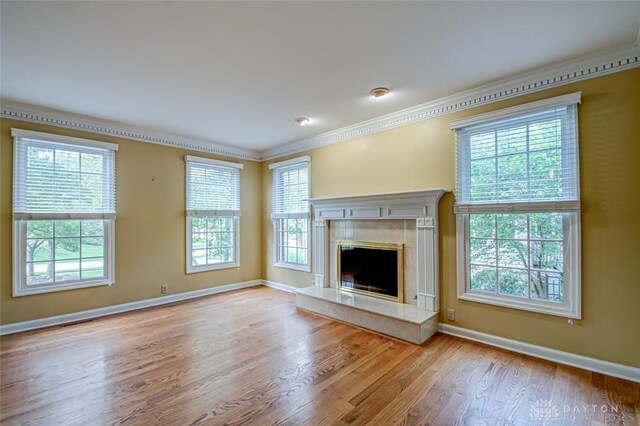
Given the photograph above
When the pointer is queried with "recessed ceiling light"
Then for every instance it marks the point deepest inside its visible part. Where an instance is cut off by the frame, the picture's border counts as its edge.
(379, 92)
(303, 121)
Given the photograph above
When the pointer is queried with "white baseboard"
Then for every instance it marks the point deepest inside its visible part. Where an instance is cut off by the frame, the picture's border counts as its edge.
(280, 286)
(591, 364)
(125, 307)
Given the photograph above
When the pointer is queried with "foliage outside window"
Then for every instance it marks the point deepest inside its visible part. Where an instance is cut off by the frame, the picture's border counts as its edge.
(213, 213)
(63, 211)
(290, 213)
(518, 210)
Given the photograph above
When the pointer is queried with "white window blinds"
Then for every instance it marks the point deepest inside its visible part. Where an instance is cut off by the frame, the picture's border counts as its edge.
(70, 179)
(213, 187)
(524, 162)
(291, 190)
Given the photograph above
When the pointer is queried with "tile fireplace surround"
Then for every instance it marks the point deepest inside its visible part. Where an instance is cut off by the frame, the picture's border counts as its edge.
(408, 218)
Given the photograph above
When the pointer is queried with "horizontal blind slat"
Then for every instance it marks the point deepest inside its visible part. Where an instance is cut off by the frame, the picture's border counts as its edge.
(290, 190)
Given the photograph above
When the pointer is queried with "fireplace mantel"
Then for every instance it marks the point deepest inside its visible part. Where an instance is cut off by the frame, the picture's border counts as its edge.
(421, 206)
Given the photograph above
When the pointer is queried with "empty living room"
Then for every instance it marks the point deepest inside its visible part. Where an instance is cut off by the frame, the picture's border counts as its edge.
(319, 213)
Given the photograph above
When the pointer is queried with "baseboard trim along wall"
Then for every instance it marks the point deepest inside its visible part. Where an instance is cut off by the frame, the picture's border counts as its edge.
(591, 364)
(566, 358)
(280, 286)
(125, 307)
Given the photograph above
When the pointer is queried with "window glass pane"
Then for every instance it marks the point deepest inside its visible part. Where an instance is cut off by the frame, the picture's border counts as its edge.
(92, 228)
(513, 282)
(482, 145)
(92, 268)
(39, 157)
(512, 177)
(67, 270)
(512, 226)
(67, 228)
(546, 255)
(483, 279)
(39, 249)
(482, 225)
(67, 160)
(547, 226)
(512, 140)
(93, 247)
(482, 251)
(512, 253)
(214, 255)
(198, 257)
(546, 174)
(198, 240)
(483, 179)
(547, 286)
(545, 135)
(198, 224)
(39, 229)
(67, 248)
(39, 273)
(91, 163)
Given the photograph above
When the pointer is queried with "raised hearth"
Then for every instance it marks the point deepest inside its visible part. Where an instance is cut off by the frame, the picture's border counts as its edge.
(399, 320)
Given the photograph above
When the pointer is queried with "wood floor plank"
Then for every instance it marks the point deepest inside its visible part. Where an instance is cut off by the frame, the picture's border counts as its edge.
(249, 357)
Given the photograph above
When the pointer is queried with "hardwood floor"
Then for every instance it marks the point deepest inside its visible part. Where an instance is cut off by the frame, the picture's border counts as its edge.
(249, 357)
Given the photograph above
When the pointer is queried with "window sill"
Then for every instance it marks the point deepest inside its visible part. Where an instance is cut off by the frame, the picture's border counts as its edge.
(215, 267)
(508, 302)
(301, 268)
(18, 292)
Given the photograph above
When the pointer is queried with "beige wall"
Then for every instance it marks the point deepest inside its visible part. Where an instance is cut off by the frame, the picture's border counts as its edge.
(150, 230)
(421, 156)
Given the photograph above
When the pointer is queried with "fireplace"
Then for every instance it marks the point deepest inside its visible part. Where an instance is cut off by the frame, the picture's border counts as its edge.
(372, 269)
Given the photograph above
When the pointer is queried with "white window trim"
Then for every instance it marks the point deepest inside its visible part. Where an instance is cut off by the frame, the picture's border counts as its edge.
(235, 215)
(572, 306)
(20, 288)
(276, 261)
(19, 228)
(287, 265)
(191, 269)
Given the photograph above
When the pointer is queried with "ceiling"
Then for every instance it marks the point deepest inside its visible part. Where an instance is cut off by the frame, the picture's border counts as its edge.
(238, 73)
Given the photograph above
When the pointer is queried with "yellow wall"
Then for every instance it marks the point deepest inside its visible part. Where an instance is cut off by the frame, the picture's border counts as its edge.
(421, 156)
(150, 229)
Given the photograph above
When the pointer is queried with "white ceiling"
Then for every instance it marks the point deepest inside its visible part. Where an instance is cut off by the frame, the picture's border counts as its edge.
(238, 73)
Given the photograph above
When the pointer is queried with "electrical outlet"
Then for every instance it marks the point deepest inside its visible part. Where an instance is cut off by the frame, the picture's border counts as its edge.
(164, 289)
(451, 314)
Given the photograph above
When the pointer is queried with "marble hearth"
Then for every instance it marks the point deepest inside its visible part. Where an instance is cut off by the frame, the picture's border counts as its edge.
(407, 218)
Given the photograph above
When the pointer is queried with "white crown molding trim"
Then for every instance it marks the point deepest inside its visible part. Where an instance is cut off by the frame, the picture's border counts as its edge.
(591, 364)
(280, 286)
(35, 114)
(584, 68)
(125, 307)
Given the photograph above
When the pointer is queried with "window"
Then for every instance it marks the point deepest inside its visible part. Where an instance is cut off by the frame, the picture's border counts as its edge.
(213, 213)
(518, 207)
(64, 209)
(290, 213)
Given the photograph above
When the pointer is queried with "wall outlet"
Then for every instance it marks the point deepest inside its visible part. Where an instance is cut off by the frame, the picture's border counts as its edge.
(164, 289)
(451, 314)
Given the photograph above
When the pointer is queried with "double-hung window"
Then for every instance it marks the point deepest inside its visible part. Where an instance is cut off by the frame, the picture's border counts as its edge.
(518, 207)
(64, 209)
(290, 213)
(213, 214)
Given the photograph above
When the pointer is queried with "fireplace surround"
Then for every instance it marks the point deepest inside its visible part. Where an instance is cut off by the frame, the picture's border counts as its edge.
(409, 219)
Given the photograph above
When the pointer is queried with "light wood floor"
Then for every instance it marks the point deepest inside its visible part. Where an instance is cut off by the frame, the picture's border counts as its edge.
(248, 357)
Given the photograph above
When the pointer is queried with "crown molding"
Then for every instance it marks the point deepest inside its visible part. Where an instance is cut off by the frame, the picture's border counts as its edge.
(36, 114)
(584, 68)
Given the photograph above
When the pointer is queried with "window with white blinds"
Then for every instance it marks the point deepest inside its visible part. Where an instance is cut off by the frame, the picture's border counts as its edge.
(518, 207)
(64, 208)
(213, 212)
(290, 213)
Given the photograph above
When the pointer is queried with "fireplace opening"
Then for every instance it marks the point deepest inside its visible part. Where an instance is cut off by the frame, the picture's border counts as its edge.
(373, 269)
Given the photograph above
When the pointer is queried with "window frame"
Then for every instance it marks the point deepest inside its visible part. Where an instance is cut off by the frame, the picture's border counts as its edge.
(571, 306)
(190, 268)
(20, 221)
(278, 219)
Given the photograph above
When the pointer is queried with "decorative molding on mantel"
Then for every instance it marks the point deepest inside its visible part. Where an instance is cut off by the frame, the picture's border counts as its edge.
(421, 206)
(584, 68)
(36, 114)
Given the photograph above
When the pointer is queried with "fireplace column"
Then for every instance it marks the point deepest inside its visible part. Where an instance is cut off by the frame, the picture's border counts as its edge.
(427, 250)
(321, 253)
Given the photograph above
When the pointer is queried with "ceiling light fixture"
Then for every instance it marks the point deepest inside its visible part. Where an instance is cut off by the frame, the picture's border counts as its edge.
(302, 121)
(379, 92)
